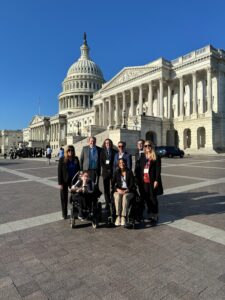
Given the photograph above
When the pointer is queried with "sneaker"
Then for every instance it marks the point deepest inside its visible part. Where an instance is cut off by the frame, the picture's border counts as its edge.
(123, 221)
(80, 218)
(117, 223)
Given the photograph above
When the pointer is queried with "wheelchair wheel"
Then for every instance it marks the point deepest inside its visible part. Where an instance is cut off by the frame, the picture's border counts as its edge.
(72, 218)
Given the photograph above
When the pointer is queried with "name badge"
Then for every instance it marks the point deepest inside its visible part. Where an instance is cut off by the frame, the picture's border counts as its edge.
(145, 171)
(107, 162)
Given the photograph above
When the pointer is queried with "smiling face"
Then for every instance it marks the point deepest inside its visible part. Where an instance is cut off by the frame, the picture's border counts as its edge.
(121, 147)
(148, 147)
(92, 142)
(121, 164)
(140, 145)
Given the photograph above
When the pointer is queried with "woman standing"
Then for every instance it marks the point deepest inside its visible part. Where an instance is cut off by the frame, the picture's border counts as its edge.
(68, 166)
(106, 161)
(148, 176)
(123, 184)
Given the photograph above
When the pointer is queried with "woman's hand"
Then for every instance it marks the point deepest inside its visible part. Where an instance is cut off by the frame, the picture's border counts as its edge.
(121, 192)
(61, 187)
(156, 184)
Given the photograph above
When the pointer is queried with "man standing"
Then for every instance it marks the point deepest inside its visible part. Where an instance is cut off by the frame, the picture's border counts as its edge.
(122, 153)
(90, 160)
(140, 150)
(49, 154)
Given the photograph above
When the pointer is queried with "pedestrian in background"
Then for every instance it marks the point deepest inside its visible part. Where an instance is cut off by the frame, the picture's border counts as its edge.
(67, 168)
(49, 154)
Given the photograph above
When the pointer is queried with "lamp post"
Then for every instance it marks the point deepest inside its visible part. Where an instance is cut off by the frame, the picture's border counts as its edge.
(135, 123)
(124, 118)
(78, 127)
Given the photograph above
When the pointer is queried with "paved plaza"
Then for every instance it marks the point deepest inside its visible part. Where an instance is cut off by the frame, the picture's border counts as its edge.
(41, 257)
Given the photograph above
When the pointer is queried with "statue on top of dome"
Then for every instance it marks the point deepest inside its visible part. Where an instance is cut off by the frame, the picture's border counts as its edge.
(85, 38)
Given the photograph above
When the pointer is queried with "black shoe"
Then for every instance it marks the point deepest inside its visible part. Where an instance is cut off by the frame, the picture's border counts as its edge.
(65, 217)
(154, 221)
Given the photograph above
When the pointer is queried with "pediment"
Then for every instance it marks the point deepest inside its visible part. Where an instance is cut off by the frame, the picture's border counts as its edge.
(127, 74)
(36, 119)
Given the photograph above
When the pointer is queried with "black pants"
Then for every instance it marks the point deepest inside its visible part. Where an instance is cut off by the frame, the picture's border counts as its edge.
(64, 200)
(149, 196)
(107, 189)
(94, 176)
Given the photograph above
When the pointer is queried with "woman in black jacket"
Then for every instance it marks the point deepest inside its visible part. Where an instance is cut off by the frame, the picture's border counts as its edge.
(68, 166)
(148, 177)
(124, 188)
(106, 161)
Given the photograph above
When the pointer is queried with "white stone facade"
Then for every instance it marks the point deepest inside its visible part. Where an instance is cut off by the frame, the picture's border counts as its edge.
(179, 102)
(10, 139)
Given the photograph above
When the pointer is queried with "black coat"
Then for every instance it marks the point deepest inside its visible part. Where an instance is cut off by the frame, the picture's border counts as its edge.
(130, 180)
(63, 175)
(107, 169)
(154, 173)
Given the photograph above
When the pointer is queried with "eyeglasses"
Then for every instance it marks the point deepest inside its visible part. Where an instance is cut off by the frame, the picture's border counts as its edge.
(120, 146)
(150, 146)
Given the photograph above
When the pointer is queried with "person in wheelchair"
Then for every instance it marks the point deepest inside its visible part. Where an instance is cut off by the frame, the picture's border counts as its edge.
(124, 190)
(84, 190)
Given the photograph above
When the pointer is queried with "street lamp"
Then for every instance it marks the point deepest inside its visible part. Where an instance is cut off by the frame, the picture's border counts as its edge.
(135, 123)
(78, 128)
(124, 118)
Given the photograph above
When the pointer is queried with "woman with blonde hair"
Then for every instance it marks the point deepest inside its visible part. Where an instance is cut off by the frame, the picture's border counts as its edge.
(148, 176)
(68, 166)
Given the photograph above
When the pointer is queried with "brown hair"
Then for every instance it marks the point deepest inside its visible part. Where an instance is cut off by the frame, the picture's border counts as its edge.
(110, 143)
(152, 154)
(68, 148)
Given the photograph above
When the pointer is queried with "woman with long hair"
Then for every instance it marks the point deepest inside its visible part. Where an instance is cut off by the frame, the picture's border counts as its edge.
(124, 188)
(148, 177)
(68, 166)
(106, 160)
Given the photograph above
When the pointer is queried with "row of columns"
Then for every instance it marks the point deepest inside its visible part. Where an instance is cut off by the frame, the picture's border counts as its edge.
(104, 113)
(38, 133)
(75, 101)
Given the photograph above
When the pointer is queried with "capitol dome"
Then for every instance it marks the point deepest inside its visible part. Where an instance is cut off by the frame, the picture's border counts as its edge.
(83, 79)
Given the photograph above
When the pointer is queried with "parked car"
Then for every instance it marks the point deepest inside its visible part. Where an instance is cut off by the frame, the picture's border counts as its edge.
(169, 151)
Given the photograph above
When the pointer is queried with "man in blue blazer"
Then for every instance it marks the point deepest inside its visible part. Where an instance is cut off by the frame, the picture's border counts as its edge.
(90, 159)
(122, 153)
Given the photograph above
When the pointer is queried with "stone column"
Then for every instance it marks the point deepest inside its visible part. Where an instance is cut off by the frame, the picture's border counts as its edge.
(117, 110)
(84, 101)
(140, 101)
(104, 112)
(194, 92)
(100, 115)
(95, 115)
(169, 101)
(181, 80)
(150, 104)
(132, 102)
(124, 100)
(161, 104)
(110, 113)
(209, 90)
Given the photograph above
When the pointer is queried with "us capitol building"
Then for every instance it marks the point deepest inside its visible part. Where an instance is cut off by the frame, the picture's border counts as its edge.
(179, 102)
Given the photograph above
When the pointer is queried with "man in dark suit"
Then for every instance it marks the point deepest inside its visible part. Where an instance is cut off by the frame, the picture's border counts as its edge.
(122, 153)
(90, 160)
(140, 150)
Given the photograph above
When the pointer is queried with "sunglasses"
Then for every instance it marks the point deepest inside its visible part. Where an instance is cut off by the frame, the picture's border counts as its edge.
(70, 150)
(120, 146)
(150, 146)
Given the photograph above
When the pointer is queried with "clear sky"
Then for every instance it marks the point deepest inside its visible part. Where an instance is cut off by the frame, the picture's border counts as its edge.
(41, 39)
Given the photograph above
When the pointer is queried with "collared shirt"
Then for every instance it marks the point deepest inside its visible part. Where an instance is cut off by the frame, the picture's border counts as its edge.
(93, 158)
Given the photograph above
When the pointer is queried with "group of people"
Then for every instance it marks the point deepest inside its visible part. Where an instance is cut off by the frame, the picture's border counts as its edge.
(118, 178)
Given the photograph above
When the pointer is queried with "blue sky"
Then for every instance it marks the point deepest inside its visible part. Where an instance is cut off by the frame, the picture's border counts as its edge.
(40, 39)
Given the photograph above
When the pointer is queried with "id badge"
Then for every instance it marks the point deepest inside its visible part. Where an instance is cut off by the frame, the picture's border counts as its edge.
(107, 162)
(145, 171)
